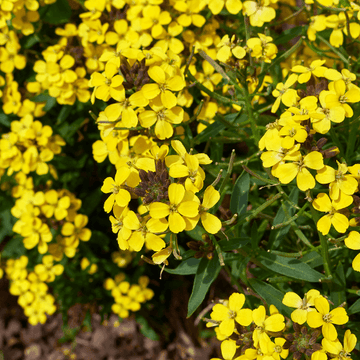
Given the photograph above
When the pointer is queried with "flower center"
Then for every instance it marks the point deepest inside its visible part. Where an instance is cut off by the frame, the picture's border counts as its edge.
(327, 318)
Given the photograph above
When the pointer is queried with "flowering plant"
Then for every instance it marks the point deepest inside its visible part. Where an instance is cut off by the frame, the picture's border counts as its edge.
(210, 138)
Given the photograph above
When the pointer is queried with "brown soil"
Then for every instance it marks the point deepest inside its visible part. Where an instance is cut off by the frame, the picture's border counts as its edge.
(107, 340)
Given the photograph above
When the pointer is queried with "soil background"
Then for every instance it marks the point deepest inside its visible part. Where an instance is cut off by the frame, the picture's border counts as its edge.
(102, 340)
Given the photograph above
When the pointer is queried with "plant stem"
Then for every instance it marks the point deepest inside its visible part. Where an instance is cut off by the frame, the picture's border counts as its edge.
(324, 246)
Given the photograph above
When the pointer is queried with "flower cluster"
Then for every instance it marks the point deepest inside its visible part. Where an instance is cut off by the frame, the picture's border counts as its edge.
(292, 149)
(40, 211)
(252, 334)
(28, 147)
(31, 287)
(128, 297)
(166, 207)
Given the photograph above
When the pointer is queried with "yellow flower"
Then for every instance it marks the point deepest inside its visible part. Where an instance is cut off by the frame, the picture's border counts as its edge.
(55, 206)
(339, 96)
(180, 158)
(228, 350)
(107, 84)
(323, 116)
(338, 351)
(353, 243)
(273, 323)
(317, 23)
(229, 47)
(284, 93)
(23, 20)
(154, 18)
(125, 108)
(339, 182)
(178, 210)
(85, 263)
(232, 6)
(315, 69)
(335, 218)
(163, 87)
(276, 349)
(338, 23)
(259, 12)
(119, 195)
(229, 312)
(47, 270)
(36, 233)
(210, 222)
(163, 117)
(144, 231)
(292, 132)
(194, 174)
(190, 9)
(304, 180)
(303, 306)
(77, 229)
(207, 77)
(262, 48)
(326, 318)
(160, 257)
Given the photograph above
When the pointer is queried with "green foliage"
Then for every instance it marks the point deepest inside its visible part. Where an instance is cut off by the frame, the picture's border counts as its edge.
(206, 273)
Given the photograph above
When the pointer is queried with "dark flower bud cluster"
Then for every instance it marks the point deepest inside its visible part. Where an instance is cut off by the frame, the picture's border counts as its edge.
(135, 75)
(154, 185)
(202, 248)
(302, 341)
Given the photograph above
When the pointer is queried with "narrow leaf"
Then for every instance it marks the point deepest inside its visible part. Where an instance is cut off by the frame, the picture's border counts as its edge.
(354, 308)
(271, 295)
(240, 195)
(234, 243)
(186, 267)
(288, 266)
(205, 275)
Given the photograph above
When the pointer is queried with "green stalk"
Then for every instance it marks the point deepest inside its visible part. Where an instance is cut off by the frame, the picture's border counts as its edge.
(324, 246)
(214, 95)
(249, 110)
(229, 171)
(334, 50)
(292, 219)
(218, 250)
(264, 206)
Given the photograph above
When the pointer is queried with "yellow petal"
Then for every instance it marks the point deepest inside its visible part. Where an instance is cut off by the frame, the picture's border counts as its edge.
(210, 222)
(176, 223)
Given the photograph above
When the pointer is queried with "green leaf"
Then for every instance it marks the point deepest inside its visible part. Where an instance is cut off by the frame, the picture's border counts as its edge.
(271, 295)
(50, 101)
(146, 329)
(216, 151)
(186, 267)
(14, 248)
(240, 194)
(67, 130)
(288, 35)
(277, 236)
(6, 219)
(205, 275)
(354, 308)
(57, 13)
(234, 243)
(5, 120)
(313, 259)
(211, 131)
(64, 113)
(30, 41)
(196, 233)
(288, 266)
(338, 291)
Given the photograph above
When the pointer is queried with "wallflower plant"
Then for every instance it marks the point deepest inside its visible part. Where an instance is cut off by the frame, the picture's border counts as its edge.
(216, 139)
